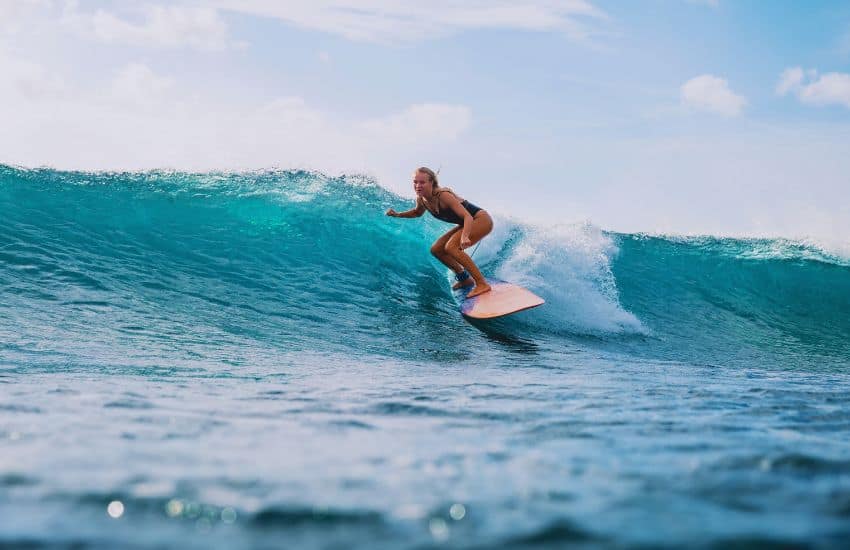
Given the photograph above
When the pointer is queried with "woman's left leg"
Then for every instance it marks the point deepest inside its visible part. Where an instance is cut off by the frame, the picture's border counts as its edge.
(482, 224)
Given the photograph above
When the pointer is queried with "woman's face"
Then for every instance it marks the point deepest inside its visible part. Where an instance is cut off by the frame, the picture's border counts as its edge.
(422, 184)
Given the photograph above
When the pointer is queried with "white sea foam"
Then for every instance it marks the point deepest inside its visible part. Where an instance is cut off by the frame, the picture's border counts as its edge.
(569, 265)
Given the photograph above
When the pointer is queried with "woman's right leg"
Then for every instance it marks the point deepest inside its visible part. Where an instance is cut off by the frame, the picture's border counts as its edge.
(438, 249)
(482, 224)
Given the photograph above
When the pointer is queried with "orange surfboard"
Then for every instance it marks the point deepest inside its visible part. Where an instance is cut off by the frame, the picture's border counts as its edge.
(504, 298)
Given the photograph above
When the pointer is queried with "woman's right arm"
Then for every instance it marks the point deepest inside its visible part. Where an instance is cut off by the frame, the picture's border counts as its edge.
(415, 212)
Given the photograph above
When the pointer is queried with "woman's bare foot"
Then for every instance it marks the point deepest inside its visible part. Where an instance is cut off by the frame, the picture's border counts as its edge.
(479, 289)
(462, 284)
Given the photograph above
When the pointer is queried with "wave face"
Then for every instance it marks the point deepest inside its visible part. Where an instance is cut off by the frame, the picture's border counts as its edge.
(128, 263)
(733, 301)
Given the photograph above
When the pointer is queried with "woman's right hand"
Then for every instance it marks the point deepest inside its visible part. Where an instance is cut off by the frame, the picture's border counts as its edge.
(392, 213)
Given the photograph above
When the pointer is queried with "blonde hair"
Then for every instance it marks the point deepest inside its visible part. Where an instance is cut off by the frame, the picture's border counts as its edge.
(431, 174)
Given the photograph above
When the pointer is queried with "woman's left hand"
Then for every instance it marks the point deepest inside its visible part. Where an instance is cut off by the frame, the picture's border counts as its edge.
(465, 242)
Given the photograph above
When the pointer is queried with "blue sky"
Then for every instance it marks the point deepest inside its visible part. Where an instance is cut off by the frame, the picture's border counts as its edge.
(673, 116)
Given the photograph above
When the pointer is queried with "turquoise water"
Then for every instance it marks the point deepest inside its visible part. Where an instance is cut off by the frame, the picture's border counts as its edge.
(266, 360)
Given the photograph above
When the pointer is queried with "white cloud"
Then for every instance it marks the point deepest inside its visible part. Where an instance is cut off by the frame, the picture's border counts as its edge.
(711, 93)
(181, 24)
(294, 114)
(406, 20)
(14, 9)
(425, 122)
(137, 84)
(27, 80)
(790, 80)
(21, 17)
(140, 119)
(201, 28)
(829, 89)
(826, 89)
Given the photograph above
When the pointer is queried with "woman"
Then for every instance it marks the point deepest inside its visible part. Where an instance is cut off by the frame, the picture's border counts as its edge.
(473, 224)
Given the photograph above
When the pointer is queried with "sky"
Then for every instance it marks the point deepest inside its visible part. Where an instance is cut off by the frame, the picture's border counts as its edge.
(723, 117)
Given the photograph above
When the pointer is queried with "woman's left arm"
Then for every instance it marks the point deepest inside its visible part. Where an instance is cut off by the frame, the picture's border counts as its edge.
(449, 200)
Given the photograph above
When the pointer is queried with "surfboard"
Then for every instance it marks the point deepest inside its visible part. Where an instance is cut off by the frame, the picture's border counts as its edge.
(504, 299)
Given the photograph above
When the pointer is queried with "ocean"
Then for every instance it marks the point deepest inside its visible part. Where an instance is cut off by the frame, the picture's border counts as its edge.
(265, 360)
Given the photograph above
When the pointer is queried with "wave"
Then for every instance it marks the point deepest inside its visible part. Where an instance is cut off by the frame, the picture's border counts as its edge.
(300, 260)
(772, 299)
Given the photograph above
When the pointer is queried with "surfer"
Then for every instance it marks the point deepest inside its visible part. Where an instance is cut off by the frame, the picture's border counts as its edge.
(473, 224)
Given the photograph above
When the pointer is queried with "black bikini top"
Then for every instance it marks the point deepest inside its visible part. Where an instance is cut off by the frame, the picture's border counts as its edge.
(449, 215)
